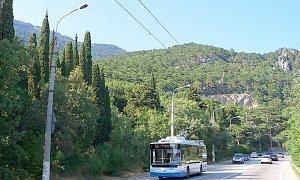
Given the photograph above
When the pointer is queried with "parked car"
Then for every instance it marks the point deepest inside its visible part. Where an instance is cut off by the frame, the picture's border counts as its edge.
(280, 155)
(274, 157)
(238, 158)
(254, 155)
(266, 159)
(259, 154)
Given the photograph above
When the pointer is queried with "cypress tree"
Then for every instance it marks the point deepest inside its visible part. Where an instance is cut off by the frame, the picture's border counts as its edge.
(63, 65)
(107, 108)
(88, 55)
(75, 53)
(104, 125)
(44, 49)
(69, 57)
(32, 41)
(6, 20)
(51, 50)
(82, 61)
(147, 95)
(155, 95)
(34, 74)
(108, 124)
(58, 65)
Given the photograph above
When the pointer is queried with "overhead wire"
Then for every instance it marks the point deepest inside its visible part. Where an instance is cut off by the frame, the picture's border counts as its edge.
(159, 22)
(140, 24)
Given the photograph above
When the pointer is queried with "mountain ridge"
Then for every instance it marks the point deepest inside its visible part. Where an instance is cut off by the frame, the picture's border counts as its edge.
(23, 31)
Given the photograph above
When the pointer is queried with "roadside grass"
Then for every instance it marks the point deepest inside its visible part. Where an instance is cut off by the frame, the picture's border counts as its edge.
(297, 170)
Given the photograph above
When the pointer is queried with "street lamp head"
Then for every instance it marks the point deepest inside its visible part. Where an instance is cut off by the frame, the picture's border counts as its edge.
(83, 6)
(188, 85)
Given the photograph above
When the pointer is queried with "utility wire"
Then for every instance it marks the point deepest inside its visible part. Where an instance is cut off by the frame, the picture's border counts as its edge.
(159, 22)
(141, 24)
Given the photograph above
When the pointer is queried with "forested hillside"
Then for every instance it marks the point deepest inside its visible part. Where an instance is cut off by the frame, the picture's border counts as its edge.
(218, 71)
(214, 71)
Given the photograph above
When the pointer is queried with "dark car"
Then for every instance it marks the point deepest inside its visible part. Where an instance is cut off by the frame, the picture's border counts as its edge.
(246, 157)
(274, 157)
(259, 154)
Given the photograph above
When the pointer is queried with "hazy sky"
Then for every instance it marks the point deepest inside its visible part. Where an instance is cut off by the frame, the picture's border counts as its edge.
(243, 25)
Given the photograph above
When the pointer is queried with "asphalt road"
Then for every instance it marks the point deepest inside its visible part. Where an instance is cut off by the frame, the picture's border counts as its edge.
(252, 170)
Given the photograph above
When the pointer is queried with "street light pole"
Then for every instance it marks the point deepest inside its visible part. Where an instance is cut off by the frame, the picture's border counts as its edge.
(172, 107)
(213, 150)
(213, 115)
(47, 147)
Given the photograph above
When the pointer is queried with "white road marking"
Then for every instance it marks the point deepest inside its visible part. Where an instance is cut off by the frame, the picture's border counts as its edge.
(232, 175)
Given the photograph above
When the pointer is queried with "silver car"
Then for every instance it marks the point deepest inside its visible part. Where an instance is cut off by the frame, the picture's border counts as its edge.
(238, 158)
(280, 155)
(266, 159)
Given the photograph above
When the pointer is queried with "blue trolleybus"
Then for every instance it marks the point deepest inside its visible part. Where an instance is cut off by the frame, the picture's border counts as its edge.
(177, 157)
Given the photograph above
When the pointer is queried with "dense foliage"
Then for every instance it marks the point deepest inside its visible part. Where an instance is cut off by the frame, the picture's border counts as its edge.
(6, 20)
(292, 134)
(44, 49)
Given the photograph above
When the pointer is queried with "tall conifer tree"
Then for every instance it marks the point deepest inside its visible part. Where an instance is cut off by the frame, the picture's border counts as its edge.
(69, 57)
(104, 125)
(75, 52)
(88, 55)
(6, 20)
(155, 95)
(34, 69)
(51, 49)
(63, 65)
(44, 49)
(82, 61)
(107, 111)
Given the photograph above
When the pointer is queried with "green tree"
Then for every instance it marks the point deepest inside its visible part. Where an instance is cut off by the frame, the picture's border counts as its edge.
(143, 96)
(88, 57)
(34, 74)
(82, 62)
(154, 94)
(69, 57)
(14, 106)
(51, 48)
(63, 65)
(76, 116)
(44, 49)
(293, 131)
(6, 20)
(75, 52)
(104, 124)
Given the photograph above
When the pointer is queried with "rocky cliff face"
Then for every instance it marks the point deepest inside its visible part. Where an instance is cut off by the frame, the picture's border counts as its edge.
(283, 60)
(245, 100)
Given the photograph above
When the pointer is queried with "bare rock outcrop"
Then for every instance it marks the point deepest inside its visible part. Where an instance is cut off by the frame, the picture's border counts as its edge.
(283, 60)
(245, 100)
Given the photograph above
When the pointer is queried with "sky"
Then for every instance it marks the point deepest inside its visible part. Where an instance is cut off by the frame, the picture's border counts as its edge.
(259, 26)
